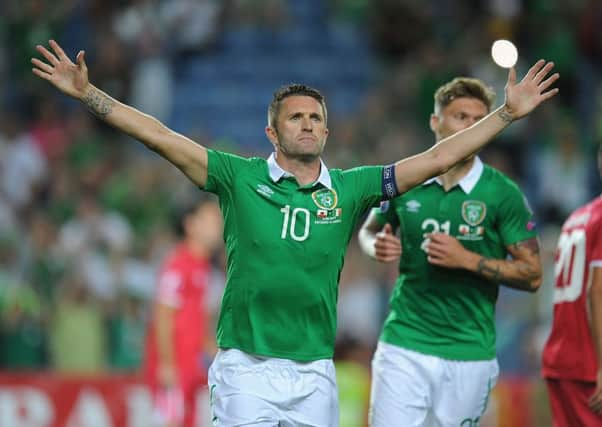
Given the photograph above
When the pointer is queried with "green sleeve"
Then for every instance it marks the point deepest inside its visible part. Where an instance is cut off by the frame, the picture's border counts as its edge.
(386, 213)
(515, 217)
(366, 182)
(221, 170)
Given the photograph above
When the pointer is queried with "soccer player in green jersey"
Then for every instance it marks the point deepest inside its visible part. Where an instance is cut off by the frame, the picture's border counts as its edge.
(287, 222)
(435, 363)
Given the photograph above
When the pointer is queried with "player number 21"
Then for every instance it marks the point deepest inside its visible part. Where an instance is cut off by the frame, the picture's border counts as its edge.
(298, 213)
(431, 225)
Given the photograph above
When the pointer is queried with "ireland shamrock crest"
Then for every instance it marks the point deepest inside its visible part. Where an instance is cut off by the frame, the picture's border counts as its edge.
(325, 198)
(473, 212)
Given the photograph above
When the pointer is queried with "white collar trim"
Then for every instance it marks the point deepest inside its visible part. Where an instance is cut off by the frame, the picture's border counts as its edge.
(276, 172)
(468, 181)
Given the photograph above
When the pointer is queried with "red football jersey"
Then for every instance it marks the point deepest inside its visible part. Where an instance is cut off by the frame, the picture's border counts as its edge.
(569, 352)
(183, 285)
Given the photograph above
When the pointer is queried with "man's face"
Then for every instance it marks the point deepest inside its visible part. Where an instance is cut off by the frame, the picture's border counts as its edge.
(300, 128)
(458, 115)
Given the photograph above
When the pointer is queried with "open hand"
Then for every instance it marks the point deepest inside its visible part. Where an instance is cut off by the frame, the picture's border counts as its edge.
(387, 247)
(68, 77)
(523, 97)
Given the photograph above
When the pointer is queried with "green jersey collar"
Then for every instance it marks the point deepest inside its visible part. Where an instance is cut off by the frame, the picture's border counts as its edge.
(276, 172)
(468, 181)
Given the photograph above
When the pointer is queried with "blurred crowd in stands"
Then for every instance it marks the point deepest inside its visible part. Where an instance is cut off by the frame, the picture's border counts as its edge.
(86, 214)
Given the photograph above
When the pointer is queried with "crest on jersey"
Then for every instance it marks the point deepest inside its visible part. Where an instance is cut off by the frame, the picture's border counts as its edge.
(473, 212)
(325, 198)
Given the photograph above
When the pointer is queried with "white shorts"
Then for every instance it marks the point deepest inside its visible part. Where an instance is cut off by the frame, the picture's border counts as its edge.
(248, 390)
(414, 389)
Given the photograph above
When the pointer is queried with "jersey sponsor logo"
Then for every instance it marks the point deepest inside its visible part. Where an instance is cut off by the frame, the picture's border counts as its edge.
(413, 206)
(325, 198)
(264, 190)
(473, 212)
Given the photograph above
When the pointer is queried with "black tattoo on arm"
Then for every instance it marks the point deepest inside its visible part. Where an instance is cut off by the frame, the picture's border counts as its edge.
(522, 271)
(505, 115)
(99, 103)
(488, 271)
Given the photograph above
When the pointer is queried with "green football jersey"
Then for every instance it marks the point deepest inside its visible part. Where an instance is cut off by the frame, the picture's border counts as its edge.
(450, 313)
(285, 246)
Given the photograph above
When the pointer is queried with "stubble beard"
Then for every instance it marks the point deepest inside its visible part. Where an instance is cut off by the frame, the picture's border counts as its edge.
(303, 157)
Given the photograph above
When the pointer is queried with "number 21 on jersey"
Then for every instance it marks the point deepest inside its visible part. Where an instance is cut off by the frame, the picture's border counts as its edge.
(431, 225)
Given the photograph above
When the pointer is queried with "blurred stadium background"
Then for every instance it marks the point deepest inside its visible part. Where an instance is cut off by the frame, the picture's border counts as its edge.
(85, 213)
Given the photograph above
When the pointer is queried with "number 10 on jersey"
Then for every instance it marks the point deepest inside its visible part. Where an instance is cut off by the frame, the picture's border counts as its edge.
(293, 216)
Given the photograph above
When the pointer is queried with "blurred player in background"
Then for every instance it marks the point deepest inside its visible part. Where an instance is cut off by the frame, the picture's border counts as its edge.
(287, 222)
(572, 357)
(436, 363)
(180, 339)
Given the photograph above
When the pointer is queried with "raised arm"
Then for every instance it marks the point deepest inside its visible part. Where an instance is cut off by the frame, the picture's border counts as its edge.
(523, 271)
(72, 79)
(521, 99)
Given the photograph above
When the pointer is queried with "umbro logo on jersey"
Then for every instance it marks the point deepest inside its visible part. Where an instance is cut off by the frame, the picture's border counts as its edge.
(264, 190)
(413, 206)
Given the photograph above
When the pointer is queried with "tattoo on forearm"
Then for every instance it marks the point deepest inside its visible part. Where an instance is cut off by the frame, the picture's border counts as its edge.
(505, 115)
(99, 103)
(488, 271)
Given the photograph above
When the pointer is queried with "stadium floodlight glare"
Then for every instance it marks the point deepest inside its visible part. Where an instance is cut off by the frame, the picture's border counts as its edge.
(504, 53)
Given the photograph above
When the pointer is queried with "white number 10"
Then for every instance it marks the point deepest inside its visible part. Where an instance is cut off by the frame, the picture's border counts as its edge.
(295, 214)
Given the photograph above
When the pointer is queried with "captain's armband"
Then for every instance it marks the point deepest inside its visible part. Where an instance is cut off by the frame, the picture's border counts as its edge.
(389, 184)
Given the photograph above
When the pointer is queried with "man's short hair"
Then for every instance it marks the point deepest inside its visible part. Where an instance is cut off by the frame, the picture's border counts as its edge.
(463, 87)
(293, 90)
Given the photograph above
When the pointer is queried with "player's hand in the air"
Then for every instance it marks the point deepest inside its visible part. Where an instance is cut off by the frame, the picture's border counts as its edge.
(68, 77)
(532, 90)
